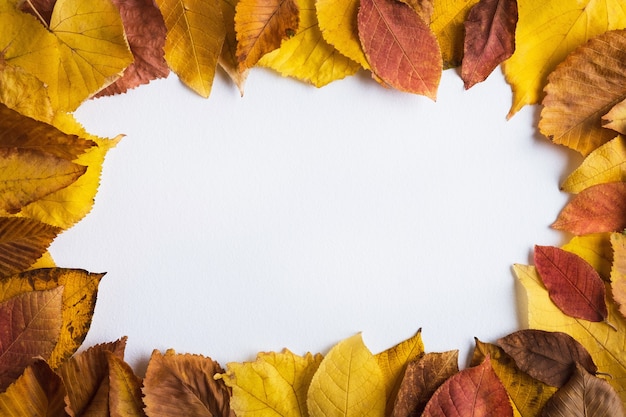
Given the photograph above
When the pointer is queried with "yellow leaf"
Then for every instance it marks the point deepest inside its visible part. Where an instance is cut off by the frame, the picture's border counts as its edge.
(605, 344)
(338, 23)
(195, 35)
(618, 271)
(448, 25)
(307, 56)
(616, 118)
(547, 31)
(594, 248)
(124, 389)
(348, 383)
(86, 39)
(79, 298)
(276, 384)
(605, 164)
(24, 93)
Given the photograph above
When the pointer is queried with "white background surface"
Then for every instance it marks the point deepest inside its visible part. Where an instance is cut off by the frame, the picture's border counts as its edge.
(295, 217)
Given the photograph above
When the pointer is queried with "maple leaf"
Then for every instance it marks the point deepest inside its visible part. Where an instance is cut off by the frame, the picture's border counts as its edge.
(599, 208)
(400, 47)
(594, 248)
(124, 389)
(447, 23)
(228, 58)
(195, 35)
(29, 327)
(618, 271)
(582, 89)
(489, 38)
(22, 242)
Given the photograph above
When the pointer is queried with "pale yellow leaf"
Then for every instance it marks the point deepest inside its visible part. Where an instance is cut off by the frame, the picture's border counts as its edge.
(616, 118)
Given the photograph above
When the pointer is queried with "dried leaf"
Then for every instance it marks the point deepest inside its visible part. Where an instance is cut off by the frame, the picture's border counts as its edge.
(348, 383)
(22, 242)
(29, 328)
(527, 394)
(421, 379)
(595, 249)
(448, 25)
(473, 392)
(589, 82)
(178, 384)
(605, 164)
(616, 118)
(228, 58)
(605, 344)
(195, 35)
(584, 395)
(550, 357)
(24, 93)
(124, 389)
(262, 26)
(424, 8)
(618, 272)
(276, 384)
(79, 299)
(599, 208)
(307, 56)
(489, 38)
(37, 392)
(400, 47)
(573, 285)
(86, 378)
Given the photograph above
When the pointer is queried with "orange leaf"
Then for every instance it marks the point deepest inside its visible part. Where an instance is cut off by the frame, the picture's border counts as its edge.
(400, 47)
(22, 242)
(599, 208)
(489, 38)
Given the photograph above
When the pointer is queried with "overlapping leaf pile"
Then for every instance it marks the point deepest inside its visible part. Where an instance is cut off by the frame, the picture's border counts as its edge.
(569, 55)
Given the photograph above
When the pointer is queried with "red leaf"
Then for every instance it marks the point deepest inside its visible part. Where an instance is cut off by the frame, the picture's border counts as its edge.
(573, 285)
(400, 46)
(599, 208)
(489, 38)
(474, 392)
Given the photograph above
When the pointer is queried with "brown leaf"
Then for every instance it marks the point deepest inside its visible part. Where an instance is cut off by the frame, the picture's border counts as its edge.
(618, 271)
(573, 285)
(261, 26)
(86, 377)
(473, 392)
(584, 395)
(37, 392)
(599, 208)
(228, 58)
(184, 385)
(400, 47)
(549, 357)
(124, 389)
(489, 38)
(29, 328)
(22, 242)
(145, 30)
(421, 379)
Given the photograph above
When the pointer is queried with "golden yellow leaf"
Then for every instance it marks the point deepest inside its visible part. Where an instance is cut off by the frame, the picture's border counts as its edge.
(45, 261)
(276, 384)
(24, 93)
(616, 118)
(124, 389)
(605, 344)
(195, 35)
(79, 299)
(618, 271)
(594, 248)
(338, 23)
(547, 31)
(348, 383)
(447, 22)
(86, 39)
(605, 164)
(307, 56)
(228, 57)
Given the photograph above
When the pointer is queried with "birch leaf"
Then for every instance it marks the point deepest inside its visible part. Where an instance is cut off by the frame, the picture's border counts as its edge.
(448, 26)
(594, 248)
(618, 272)
(22, 242)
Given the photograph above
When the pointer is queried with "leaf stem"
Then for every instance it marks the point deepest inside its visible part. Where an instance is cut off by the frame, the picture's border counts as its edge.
(43, 21)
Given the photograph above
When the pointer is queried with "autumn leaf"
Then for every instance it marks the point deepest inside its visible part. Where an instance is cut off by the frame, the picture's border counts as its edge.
(37, 392)
(605, 164)
(177, 384)
(22, 242)
(228, 58)
(348, 383)
(527, 394)
(584, 395)
(195, 35)
(24, 93)
(339, 26)
(605, 344)
(276, 384)
(594, 248)
(447, 23)
(421, 379)
(616, 118)
(582, 89)
(489, 38)
(400, 47)
(79, 299)
(124, 389)
(307, 56)
(473, 392)
(599, 208)
(573, 285)
(86, 378)
(29, 328)
(618, 272)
